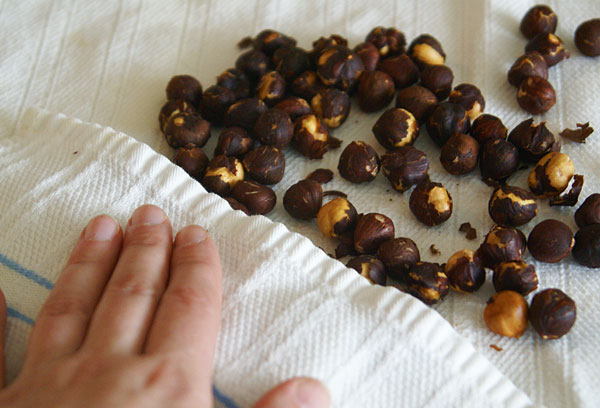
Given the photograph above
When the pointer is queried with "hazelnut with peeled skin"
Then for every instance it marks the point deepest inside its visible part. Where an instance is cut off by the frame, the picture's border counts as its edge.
(358, 162)
(290, 62)
(538, 19)
(332, 106)
(426, 50)
(488, 127)
(588, 213)
(550, 241)
(512, 206)
(517, 276)
(536, 95)
(431, 203)
(459, 154)
(551, 175)
(235, 80)
(369, 55)
(465, 271)
(403, 71)
(427, 282)
(397, 255)
(446, 120)
(271, 88)
(222, 174)
(587, 37)
(265, 164)
(306, 85)
(336, 217)
(324, 43)
(533, 141)
(375, 91)
(173, 107)
(550, 46)
(587, 246)
(506, 314)
(389, 41)
(268, 41)
(438, 79)
(552, 313)
(311, 138)
(244, 113)
(369, 268)
(419, 101)
(499, 160)
(233, 141)
(371, 230)
(303, 199)
(187, 130)
(470, 97)
(254, 64)
(193, 160)
(215, 102)
(274, 127)
(258, 199)
(395, 128)
(338, 66)
(502, 244)
(294, 106)
(184, 87)
(405, 167)
(530, 64)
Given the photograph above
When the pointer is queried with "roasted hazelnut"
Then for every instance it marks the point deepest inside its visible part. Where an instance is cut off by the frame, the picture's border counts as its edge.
(173, 107)
(465, 271)
(395, 128)
(311, 138)
(294, 106)
(431, 203)
(530, 64)
(550, 241)
(551, 175)
(306, 85)
(397, 255)
(369, 268)
(417, 100)
(371, 230)
(589, 212)
(303, 199)
(254, 64)
(517, 276)
(274, 128)
(587, 246)
(215, 102)
(405, 167)
(235, 80)
(257, 198)
(187, 130)
(499, 160)
(426, 50)
(538, 19)
(427, 282)
(512, 206)
(401, 69)
(389, 41)
(268, 41)
(290, 62)
(459, 154)
(587, 37)
(502, 244)
(488, 127)
(233, 141)
(222, 174)
(375, 91)
(446, 120)
(244, 113)
(265, 164)
(536, 95)
(236, 205)
(438, 79)
(340, 67)
(193, 160)
(336, 217)
(369, 55)
(550, 46)
(570, 196)
(271, 88)
(358, 162)
(184, 87)
(506, 314)
(324, 43)
(470, 97)
(552, 313)
(533, 141)
(332, 106)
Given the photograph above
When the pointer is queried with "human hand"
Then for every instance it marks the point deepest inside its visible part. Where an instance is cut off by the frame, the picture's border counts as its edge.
(132, 321)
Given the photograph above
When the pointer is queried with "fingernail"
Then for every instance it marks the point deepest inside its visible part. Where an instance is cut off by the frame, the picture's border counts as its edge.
(101, 228)
(310, 393)
(192, 234)
(148, 215)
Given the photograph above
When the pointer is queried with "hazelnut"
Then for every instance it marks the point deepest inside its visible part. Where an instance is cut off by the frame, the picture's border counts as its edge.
(459, 154)
(215, 102)
(303, 199)
(446, 120)
(294, 106)
(427, 282)
(274, 127)
(336, 217)
(290, 62)
(375, 91)
(511, 206)
(244, 113)
(587, 246)
(589, 212)
(306, 85)
(340, 67)
(506, 314)
(587, 37)
(550, 46)
(517, 276)
(405, 167)
(397, 255)
(389, 41)
(324, 43)
(538, 19)
(311, 138)
(192, 160)
(438, 79)
(187, 130)
(271, 88)
(530, 64)
(358, 162)
(369, 55)
(499, 160)
(395, 128)
(268, 41)
(184, 87)
(417, 100)
(369, 268)
(550, 241)
(426, 50)
(233, 141)
(236, 205)
(536, 95)
(502, 244)
(552, 313)
(332, 106)
(173, 107)
(235, 80)
(401, 69)
(431, 203)
(265, 164)
(551, 175)
(569, 197)
(371, 230)
(254, 64)
(470, 97)
(257, 198)
(465, 271)
(533, 141)
(222, 174)
(488, 127)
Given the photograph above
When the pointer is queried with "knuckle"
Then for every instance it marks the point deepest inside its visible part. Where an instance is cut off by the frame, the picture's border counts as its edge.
(58, 306)
(147, 236)
(187, 296)
(132, 285)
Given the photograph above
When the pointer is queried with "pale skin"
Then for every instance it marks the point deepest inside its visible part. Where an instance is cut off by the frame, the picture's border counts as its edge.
(132, 321)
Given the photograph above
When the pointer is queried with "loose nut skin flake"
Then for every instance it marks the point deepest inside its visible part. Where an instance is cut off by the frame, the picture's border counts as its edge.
(578, 135)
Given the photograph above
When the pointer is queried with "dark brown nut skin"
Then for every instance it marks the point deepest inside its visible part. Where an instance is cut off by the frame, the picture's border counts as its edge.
(587, 246)
(375, 91)
(193, 160)
(271, 88)
(187, 130)
(358, 162)
(512, 206)
(268, 41)
(311, 138)
(389, 41)
(369, 268)
(470, 97)
(215, 102)
(265, 164)
(589, 212)
(517, 276)
(570, 196)
(550, 241)
(438, 79)
(233, 141)
(395, 128)
(405, 167)
(533, 141)
(488, 127)
(290, 62)
(419, 101)
(506, 314)
(427, 282)
(294, 106)
(254, 64)
(274, 128)
(536, 95)
(397, 255)
(306, 85)
(371, 230)
(552, 313)
(340, 67)
(538, 19)
(324, 43)
(426, 50)
(551, 175)
(431, 203)
(336, 217)
(244, 113)
(587, 37)
(446, 120)
(222, 174)
(465, 271)
(459, 154)
(332, 106)
(369, 55)
(303, 199)
(173, 107)
(257, 198)
(499, 160)
(184, 87)
(235, 80)
(530, 64)
(236, 205)
(401, 69)
(550, 46)
(502, 244)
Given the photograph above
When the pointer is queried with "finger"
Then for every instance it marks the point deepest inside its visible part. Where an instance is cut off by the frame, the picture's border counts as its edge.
(2, 327)
(62, 322)
(121, 320)
(301, 392)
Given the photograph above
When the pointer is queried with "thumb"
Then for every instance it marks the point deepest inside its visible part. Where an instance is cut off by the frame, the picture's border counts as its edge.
(2, 325)
(301, 392)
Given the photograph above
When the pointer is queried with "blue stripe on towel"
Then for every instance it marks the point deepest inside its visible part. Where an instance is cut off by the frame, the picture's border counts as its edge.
(223, 399)
(18, 315)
